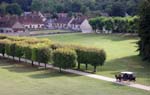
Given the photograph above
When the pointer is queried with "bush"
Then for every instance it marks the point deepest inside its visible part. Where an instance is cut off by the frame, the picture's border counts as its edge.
(3, 36)
(44, 55)
(64, 58)
(2, 47)
(28, 52)
(93, 56)
(115, 24)
(55, 46)
(19, 50)
(10, 48)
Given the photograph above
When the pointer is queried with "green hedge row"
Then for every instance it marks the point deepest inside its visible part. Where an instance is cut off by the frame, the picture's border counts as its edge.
(43, 51)
(28, 48)
(115, 24)
(85, 55)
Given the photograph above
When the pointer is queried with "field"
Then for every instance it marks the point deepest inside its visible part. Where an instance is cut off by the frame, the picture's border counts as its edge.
(22, 79)
(44, 32)
(121, 52)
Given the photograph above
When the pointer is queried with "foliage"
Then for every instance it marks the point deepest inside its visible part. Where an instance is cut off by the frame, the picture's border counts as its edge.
(14, 9)
(44, 54)
(64, 58)
(2, 47)
(85, 55)
(88, 7)
(19, 50)
(144, 30)
(115, 24)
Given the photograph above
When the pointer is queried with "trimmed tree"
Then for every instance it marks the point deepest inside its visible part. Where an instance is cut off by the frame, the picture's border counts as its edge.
(28, 53)
(44, 55)
(64, 58)
(2, 47)
(19, 52)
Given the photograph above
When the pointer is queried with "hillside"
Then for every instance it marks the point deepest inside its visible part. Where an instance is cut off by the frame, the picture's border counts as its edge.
(111, 7)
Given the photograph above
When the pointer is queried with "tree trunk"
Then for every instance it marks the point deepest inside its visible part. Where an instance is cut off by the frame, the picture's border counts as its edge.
(78, 65)
(32, 63)
(60, 69)
(45, 65)
(3, 54)
(94, 68)
(86, 66)
(19, 59)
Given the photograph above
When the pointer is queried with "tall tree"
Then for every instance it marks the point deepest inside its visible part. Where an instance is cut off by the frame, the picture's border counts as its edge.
(144, 30)
(14, 9)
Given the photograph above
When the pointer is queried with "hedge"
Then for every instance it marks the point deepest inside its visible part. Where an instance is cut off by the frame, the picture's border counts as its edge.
(86, 55)
(40, 50)
(64, 58)
(115, 24)
(2, 47)
(19, 50)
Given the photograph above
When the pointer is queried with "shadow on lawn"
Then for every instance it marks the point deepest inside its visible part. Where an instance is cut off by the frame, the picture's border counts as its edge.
(52, 74)
(36, 72)
(113, 37)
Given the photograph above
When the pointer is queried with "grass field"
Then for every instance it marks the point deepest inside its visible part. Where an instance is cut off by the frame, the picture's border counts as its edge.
(120, 49)
(22, 79)
(48, 31)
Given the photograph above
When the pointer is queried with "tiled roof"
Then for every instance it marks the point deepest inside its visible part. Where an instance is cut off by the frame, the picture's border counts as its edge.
(63, 20)
(31, 20)
(9, 20)
(78, 20)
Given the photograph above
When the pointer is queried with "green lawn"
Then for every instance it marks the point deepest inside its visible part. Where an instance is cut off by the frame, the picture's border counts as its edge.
(22, 79)
(120, 49)
(48, 31)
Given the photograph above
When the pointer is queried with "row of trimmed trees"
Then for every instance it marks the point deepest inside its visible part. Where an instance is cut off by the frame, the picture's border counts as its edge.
(44, 51)
(115, 24)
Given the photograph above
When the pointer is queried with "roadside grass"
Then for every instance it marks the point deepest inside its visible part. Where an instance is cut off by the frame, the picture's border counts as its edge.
(22, 79)
(121, 52)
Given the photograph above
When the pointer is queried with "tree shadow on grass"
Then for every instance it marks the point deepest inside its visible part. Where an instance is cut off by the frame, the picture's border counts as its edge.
(112, 37)
(37, 72)
(52, 74)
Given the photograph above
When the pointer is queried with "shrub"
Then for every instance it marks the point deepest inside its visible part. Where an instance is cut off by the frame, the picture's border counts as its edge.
(64, 58)
(28, 52)
(10, 48)
(55, 46)
(3, 36)
(44, 55)
(85, 55)
(2, 47)
(34, 54)
(19, 50)
(91, 56)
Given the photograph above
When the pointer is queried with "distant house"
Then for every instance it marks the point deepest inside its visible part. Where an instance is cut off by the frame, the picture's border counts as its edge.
(70, 23)
(32, 22)
(10, 25)
(62, 23)
(34, 14)
(81, 24)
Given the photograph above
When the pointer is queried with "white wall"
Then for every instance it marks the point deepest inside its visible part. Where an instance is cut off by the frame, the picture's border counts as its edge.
(86, 27)
(34, 26)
